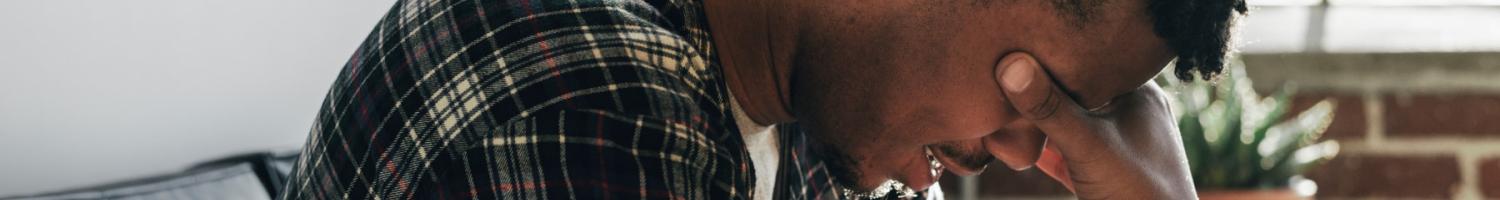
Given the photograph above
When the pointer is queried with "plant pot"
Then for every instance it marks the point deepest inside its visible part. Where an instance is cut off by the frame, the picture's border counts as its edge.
(1257, 194)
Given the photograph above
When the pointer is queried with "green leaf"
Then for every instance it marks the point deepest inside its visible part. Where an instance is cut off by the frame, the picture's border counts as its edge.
(1284, 139)
(1236, 138)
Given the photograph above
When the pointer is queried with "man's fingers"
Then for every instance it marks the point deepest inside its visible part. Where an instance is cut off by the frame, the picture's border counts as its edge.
(1052, 164)
(1018, 144)
(1033, 93)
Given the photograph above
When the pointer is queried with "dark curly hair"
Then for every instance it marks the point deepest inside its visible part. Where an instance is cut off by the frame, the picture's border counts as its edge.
(1198, 30)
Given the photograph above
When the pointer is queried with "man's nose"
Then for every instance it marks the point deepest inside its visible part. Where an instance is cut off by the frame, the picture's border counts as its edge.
(1018, 144)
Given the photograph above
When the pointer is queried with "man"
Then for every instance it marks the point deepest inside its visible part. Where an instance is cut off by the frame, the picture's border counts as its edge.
(768, 99)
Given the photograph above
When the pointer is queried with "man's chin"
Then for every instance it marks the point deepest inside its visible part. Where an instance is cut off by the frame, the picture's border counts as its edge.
(851, 182)
(841, 167)
(858, 185)
(880, 190)
(848, 178)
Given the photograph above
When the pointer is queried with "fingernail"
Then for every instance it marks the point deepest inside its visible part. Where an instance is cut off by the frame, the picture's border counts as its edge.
(1018, 74)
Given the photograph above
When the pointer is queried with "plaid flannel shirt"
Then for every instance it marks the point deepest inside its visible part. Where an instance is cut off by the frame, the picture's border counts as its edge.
(538, 99)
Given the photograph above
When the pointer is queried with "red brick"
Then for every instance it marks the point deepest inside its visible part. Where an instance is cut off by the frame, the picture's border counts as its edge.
(1001, 182)
(1442, 115)
(1348, 116)
(1489, 177)
(1387, 176)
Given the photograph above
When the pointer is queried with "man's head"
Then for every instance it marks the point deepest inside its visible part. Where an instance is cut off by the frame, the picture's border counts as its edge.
(878, 84)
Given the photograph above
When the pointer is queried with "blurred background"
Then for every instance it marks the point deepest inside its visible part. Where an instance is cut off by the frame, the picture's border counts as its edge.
(94, 91)
(99, 91)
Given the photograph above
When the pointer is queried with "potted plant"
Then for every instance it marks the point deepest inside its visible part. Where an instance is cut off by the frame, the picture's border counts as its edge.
(1239, 144)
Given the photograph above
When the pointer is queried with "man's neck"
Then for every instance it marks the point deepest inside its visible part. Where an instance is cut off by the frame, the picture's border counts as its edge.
(756, 65)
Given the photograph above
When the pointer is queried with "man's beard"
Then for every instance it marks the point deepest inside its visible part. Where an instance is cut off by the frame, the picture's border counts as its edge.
(847, 176)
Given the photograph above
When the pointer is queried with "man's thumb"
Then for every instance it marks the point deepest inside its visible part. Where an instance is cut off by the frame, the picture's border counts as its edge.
(1028, 87)
(1032, 92)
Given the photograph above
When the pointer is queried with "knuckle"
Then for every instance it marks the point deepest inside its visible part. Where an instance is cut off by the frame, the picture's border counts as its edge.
(1047, 107)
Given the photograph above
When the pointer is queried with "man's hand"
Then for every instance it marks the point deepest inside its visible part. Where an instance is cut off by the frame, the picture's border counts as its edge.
(1126, 149)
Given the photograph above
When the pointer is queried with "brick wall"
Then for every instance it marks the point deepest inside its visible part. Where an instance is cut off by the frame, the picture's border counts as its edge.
(1411, 126)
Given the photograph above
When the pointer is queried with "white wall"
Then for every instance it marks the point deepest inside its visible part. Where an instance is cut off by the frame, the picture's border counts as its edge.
(96, 91)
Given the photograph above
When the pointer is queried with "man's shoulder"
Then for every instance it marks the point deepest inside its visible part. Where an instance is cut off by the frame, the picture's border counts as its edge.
(477, 98)
(619, 56)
